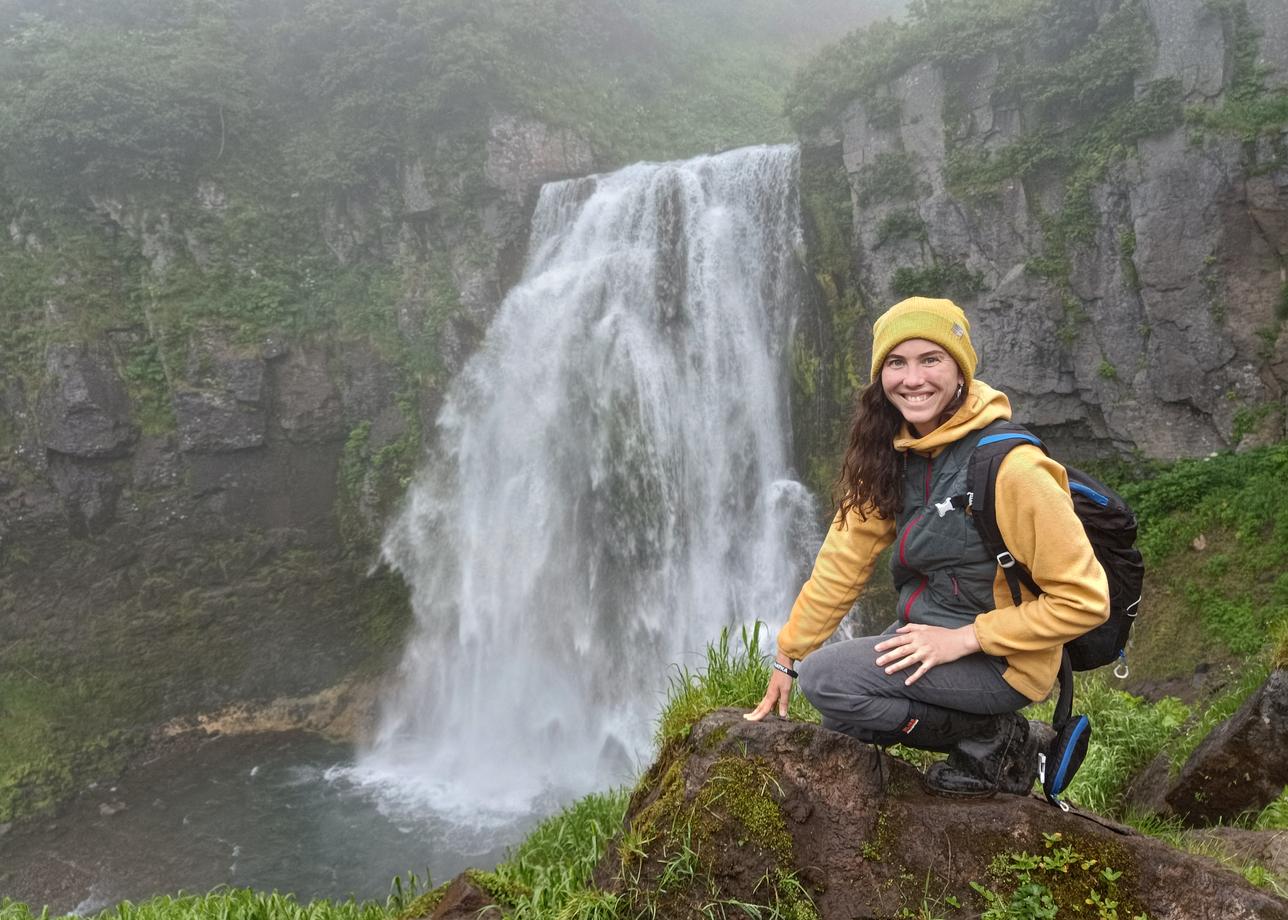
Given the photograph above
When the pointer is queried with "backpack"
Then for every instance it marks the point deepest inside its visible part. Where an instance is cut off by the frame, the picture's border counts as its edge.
(1111, 529)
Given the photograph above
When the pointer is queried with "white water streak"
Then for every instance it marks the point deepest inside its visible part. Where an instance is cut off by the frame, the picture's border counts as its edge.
(612, 485)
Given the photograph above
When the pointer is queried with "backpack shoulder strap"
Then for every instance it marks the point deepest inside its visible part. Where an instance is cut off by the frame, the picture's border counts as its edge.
(994, 443)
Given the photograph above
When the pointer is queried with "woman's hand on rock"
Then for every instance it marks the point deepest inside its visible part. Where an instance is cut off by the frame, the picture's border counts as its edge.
(777, 694)
(925, 647)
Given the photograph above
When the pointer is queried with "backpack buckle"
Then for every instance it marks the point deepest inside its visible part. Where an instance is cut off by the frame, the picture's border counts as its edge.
(1005, 559)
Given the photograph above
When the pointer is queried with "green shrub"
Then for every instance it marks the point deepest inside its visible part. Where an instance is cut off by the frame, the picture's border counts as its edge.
(901, 225)
(943, 279)
(889, 177)
(1249, 111)
(883, 112)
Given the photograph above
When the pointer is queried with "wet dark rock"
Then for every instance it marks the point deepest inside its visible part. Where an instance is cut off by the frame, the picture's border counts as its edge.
(283, 486)
(157, 464)
(214, 422)
(522, 153)
(83, 407)
(367, 383)
(759, 799)
(1242, 765)
(89, 490)
(220, 405)
(1148, 789)
(308, 407)
(273, 348)
(463, 900)
(1266, 848)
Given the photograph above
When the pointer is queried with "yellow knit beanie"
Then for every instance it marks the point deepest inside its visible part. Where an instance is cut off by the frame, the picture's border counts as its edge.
(938, 321)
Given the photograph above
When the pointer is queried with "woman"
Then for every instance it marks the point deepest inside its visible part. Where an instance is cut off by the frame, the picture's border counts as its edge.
(964, 657)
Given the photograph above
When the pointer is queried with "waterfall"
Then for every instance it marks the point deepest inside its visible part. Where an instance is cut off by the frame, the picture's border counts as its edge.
(611, 486)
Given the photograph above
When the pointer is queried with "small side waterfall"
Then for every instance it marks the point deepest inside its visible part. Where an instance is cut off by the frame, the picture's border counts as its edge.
(612, 485)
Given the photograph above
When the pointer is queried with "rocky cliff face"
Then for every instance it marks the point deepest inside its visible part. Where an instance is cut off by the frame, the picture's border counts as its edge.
(159, 571)
(1152, 319)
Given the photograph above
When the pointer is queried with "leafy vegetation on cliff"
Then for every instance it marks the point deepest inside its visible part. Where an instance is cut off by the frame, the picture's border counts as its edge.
(227, 131)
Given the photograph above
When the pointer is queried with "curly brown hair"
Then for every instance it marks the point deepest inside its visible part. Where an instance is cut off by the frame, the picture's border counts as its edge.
(871, 478)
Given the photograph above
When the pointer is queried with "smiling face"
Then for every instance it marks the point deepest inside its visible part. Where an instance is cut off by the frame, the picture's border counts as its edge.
(920, 380)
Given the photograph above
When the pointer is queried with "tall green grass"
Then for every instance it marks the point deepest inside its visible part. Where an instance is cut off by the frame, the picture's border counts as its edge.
(730, 676)
(548, 875)
(225, 904)
(1235, 589)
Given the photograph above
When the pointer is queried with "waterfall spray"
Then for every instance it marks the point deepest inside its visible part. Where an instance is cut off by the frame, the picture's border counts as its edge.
(611, 485)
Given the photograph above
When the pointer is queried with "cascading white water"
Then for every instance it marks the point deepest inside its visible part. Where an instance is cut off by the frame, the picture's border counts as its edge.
(612, 485)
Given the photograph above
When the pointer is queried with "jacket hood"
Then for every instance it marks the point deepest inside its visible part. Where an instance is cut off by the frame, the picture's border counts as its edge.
(982, 406)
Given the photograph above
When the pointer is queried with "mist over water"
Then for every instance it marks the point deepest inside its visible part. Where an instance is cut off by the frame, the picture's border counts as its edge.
(612, 486)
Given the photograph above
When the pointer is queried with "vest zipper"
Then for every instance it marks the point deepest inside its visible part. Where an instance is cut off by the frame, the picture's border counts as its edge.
(956, 593)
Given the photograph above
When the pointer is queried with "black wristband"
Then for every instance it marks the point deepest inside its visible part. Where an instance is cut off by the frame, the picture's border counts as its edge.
(786, 670)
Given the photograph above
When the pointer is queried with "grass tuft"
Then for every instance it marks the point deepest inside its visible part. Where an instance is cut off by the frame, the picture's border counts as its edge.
(730, 677)
(550, 871)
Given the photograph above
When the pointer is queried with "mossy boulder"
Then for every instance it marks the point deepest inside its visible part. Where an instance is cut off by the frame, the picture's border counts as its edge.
(794, 817)
(1242, 766)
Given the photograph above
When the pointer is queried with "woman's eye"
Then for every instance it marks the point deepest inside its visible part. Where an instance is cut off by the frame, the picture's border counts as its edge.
(932, 359)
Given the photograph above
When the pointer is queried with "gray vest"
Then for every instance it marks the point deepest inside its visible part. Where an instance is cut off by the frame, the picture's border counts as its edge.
(942, 569)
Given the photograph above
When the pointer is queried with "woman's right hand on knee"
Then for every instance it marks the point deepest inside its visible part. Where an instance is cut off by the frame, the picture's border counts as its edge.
(777, 695)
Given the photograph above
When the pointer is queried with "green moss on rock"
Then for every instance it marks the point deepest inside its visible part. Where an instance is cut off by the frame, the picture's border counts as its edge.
(741, 788)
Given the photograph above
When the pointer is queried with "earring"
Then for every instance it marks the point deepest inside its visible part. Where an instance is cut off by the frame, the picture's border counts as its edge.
(960, 384)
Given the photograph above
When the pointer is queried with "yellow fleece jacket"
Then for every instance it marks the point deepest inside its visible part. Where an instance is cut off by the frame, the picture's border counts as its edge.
(1037, 522)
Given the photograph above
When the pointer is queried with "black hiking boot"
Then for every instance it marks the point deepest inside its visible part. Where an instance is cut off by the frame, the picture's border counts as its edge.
(1001, 757)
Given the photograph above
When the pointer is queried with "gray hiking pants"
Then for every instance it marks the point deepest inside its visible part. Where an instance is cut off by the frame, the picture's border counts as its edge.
(854, 695)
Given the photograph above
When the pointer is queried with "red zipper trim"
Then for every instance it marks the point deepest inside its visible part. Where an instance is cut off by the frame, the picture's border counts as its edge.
(903, 540)
(907, 608)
